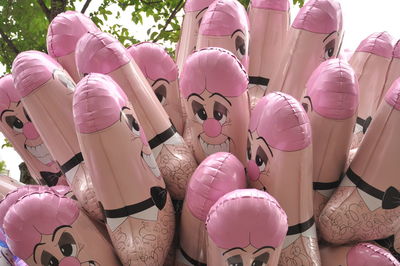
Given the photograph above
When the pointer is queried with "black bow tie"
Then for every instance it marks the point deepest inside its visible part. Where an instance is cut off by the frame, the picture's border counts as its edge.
(391, 198)
(364, 123)
(159, 196)
(51, 179)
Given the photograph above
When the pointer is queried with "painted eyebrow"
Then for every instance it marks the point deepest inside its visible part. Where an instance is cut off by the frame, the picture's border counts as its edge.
(18, 103)
(328, 35)
(263, 248)
(195, 94)
(58, 228)
(161, 79)
(308, 97)
(2, 113)
(34, 250)
(201, 11)
(216, 93)
(237, 31)
(267, 145)
(232, 249)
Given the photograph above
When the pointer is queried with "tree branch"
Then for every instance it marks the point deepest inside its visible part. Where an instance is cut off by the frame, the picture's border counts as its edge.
(45, 9)
(57, 7)
(8, 41)
(168, 21)
(85, 6)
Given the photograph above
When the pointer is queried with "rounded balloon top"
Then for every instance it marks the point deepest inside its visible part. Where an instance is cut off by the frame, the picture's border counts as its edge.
(247, 217)
(396, 50)
(378, 43)
(217, 175)
(319, 16)
(34, 215)
(65, 30)
(99, 52)
(97, 104)
(196, 5)
(392, 97)
(154, 61)
(333, 88)
(223, 18)
(366, 254)
(282, 122)
(215, 70)
(278, 5)
(8, 93)
(31, 69)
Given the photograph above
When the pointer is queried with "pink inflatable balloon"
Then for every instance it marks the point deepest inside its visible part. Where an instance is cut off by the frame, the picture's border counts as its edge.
(63, 33)
(214, 86)
(269, 25)
(162, 74)
(217, 175)
(225, 24)
(254, 239)
(393, 71)
(366, 206)
(331, 102)
(280, 162)
(45, 228)
(101, 53)
(18, 128)
(47, 91)
(315, 36)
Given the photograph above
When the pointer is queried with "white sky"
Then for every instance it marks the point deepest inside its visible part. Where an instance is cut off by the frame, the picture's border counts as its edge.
(360, 18)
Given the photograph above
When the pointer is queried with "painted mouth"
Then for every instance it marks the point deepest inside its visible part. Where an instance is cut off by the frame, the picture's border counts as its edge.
(41, 153)
(214, 148)
(151, 163)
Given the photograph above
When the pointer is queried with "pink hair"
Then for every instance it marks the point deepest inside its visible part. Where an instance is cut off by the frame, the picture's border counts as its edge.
(32, 69)
(36, 214)
(278, 5)
(223, 18)
(319, 16)
(154, 61)
(99, 52)
(8, 93)
(392, 97)
(218, 174)
(215, 70)
(65, 30)
(333, 88)
(196, 5)
(366, 254)
(282, 122)
(378, 43)
(97, 103)
(247, 217)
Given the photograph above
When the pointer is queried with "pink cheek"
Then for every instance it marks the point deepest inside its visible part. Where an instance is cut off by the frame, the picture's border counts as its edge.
(212, 127)
(30, 131)
(70, 261)
(252, 171)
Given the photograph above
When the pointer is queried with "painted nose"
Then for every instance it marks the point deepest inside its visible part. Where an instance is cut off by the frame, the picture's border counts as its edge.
(212, 127)
(30, 131)
(252, 171)
(70, 261)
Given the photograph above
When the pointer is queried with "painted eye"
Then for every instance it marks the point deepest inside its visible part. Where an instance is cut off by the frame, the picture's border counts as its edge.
(220, 113)
(47, 259)
(240, 47)
(16, 124)
(67, 245)
(329, 49)
(248, 150)
(199, 112)
(261, 159)
(235, 261)
(161, 93)
(305, 106)
(133, 124)
(261, 260)
(53, 262)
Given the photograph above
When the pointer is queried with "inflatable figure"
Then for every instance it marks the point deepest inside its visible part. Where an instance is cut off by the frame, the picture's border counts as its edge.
(7, 184)
(45, 228)
(280, 162)
(255, 238)
(214, 86)
(315, 36)
(17, 127)
(62, 36)
(101, 53)
(47, 91)
(269, 25)
(217, 175)
(194, 12)
(393, 71)
(366, 204)
(363, 254)
(331, 102)
(162, 74)
(225, 24)
(370, 62)
(124, 172)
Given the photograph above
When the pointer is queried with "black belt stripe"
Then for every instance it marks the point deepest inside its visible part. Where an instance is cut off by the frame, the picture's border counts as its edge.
(71, 163)
(129, 210)
(191, 260)
(328, 185)
(364, 186)
(301, 227)
(162, 137)
(258, 80)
